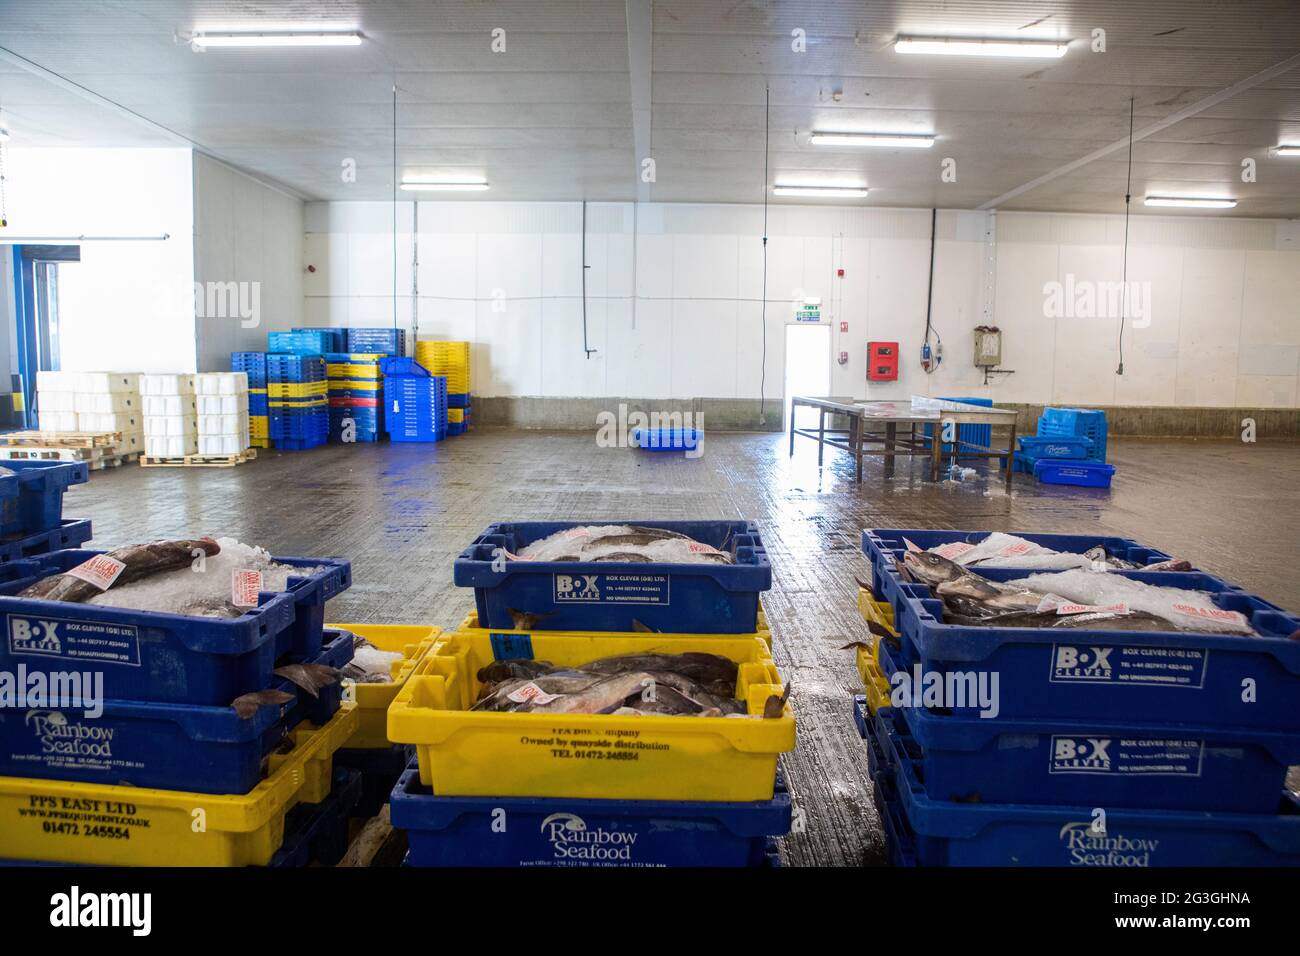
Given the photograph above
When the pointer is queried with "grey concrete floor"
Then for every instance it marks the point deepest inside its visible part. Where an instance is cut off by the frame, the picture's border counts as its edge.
(402, 513)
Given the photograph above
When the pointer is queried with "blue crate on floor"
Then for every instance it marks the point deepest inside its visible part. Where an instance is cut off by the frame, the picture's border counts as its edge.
(1083, 474)
(993, 834)
(299, 423)
(981, 435)
(301, 343)
(203, 749)
(285, 367)
(1097, 761)
(300, 444)
(611, 596)
(377, 341)
(461, 831)
(667, 439)
(31, 499)
(899, 840)
(1181, 676)
(318, 832)
(415, 402)
(334, 339)
(167, 658)
(259, 406)
(458, 400)
(1035, 447)
(380, 769)
(1076, 423)
(69, 534)
(884, 547)
(457, 428)
(252, 364)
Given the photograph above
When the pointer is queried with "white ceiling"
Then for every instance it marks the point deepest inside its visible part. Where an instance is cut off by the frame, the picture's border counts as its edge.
(552, 117)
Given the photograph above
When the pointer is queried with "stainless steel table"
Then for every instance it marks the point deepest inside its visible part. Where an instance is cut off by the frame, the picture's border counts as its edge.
(874, 430)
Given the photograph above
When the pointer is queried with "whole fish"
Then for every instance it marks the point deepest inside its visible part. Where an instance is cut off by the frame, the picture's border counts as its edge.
(716, 674)
(558, 683)
(949, 579)
(604, 695)
(141, 560)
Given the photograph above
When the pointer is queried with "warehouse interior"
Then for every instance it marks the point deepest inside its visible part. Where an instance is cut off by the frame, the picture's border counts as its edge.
(851, 273)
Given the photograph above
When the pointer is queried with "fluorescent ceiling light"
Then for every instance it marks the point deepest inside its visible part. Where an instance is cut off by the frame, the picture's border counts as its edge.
(976, 46)
(228, 40)
(909, 140)
(1189, 202)
(837, 192)
(1287, 150)
(444, 185)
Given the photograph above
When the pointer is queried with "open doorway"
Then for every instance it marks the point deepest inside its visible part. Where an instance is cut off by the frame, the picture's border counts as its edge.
(807, 368)
(36, 319)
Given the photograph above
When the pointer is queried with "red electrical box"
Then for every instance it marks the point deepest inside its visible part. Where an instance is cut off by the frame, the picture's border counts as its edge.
(882, 361)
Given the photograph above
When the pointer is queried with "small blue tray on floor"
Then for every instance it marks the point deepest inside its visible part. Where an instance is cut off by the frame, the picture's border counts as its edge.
(667, 439)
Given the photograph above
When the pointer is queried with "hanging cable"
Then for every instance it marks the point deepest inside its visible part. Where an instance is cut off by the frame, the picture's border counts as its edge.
(930, 361)
(1128, 199)
(394, 205)
(767, 128)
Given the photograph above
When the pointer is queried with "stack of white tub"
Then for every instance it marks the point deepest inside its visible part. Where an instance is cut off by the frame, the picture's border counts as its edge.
(92, 402)
(223, 413)
(171, 426)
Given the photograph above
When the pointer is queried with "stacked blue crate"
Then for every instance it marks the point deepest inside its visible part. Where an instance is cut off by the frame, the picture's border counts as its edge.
(415, 402)
(302, 343)
(335, 339)
(252, 364)
(381, 341)
(981, 435)
(292, 425)
(1076, 423)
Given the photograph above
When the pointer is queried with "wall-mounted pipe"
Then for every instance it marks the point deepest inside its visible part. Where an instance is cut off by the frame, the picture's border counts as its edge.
(585, 267)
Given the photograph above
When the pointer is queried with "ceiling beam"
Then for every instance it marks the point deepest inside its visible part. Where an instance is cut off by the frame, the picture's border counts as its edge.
(640, 32)
(70, 86)
(1199, 106)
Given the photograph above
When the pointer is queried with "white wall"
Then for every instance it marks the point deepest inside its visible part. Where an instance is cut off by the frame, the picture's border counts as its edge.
(123, 307)
(245, 232)
(674, 297)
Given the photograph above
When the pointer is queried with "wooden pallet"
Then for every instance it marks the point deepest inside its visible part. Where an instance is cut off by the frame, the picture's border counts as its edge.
(112, 461)
(199, 461)
(94, 458)
(83, 440)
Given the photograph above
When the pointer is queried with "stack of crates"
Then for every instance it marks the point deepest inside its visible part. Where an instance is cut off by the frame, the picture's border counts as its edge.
(183, 723)
(334, 339)
(452, 360)
(253, 365)
(31, 508)
(223, 413)
(382, 341)
(1069, 449)
(297, 393)
(171, 419)
(355, 396)
(314, 342)
(415, 402)
(1152, 728)
(92, 402)
(597, 789)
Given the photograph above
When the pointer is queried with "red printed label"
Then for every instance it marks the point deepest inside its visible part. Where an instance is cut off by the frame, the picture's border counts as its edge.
(1211, 613)
(531, 693)
(1012, 550)
(244, 587)
(952, 550)
(101, 571)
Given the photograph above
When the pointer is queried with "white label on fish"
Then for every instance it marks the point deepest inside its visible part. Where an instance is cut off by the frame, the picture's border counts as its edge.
(1212, 613)
(1092, 609)
(531, 693)
(245, 584)
(101, 571)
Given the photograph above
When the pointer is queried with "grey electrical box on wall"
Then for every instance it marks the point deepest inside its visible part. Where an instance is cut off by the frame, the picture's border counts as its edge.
(988, 347)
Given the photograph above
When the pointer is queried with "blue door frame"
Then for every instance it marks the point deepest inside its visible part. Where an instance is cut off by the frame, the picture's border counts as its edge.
(25, 318)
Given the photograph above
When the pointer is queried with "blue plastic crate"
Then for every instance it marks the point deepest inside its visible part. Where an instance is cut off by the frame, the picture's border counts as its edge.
(304, 423)
(377, 341)
(380, 769)
(318, 832)
(203, 749)
(667, 439)
(1099, 762)
(457, 428)
(31, 499)
(259, 406)
(1140, 676)
(1076, 422)
(463, 831)
(458, 400)
(992, 834)
(981, 435)
(1085, 474)
(1035, 447)
(899, 839)
(69, 534)
(301, 343)
(884, 547)
(300, 444)
(611, 596)
(167, 658)
(285, 367)
(334, 339)
(252, 364)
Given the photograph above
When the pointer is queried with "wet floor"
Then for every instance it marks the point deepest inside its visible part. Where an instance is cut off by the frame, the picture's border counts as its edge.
(402, 513)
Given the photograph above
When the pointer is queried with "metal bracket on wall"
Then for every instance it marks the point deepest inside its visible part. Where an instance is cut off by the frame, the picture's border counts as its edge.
(989, 283)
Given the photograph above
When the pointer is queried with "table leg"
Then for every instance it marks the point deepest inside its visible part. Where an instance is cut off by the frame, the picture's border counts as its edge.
(857, 446)
(891, 433)
(936, 451)
(1011, 453)
(821, 434)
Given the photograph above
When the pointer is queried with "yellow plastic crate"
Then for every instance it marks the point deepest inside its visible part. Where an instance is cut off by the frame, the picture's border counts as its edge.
(600, 756)
(260, 442)
(372, 700)
(335, 370)
(257, 391)
(355, 385)
(876, 684)
(470, 624)
(259, 426)
(296, 389)
(456, 415)
(447, 358)
(877, 612)
(299, 403)
(63, 822)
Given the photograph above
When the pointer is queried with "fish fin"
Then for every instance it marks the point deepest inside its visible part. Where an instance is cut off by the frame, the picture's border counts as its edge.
(866, 587)
(911, 545)
(900, 569)
(246, 705)
(642, 628)
(775, 705)
(855, 644)
(310, 677)
(527, 620)
(882, 632)
(1295, 635)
